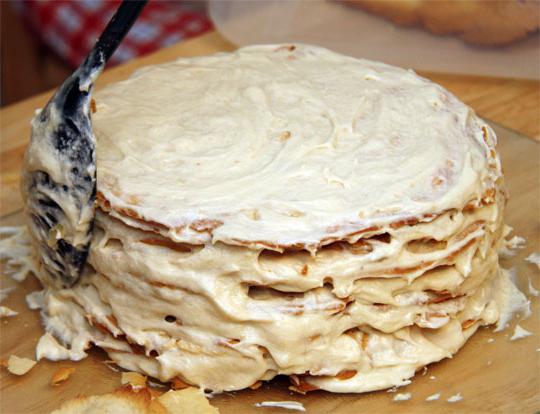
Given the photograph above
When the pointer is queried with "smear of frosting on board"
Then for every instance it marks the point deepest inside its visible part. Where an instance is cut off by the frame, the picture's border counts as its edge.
(534, 258)
(402, 396)
(434, 397)
(455, 398)
(520, 333)
(289, 405)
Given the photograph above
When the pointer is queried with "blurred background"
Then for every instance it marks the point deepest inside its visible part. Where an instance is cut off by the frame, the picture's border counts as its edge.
(42, 41)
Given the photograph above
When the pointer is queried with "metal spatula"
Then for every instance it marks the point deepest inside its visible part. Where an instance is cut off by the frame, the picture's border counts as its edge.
(59, 183)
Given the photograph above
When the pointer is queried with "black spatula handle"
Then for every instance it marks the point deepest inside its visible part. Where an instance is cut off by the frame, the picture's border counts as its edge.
(115, 31)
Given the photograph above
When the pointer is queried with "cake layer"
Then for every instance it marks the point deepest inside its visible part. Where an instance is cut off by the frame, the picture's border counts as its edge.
(383, 307)
(443, 248)
(285, 146)
(380, 359)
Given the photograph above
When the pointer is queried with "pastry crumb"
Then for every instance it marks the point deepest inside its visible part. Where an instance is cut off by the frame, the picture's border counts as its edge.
(188, 400)
(519, 333)
(134, 379)
(455, 398)
(19, 366)
(6, 312)
(534, 258)
(510, 247)
(402, 396)
(61, 375)
(125, 399)
(434, 397)
(517, 242)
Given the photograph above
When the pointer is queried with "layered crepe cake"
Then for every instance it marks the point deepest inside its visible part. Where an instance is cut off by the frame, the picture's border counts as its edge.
(285, 210)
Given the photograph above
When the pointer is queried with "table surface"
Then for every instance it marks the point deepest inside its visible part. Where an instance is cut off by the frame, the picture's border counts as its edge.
(506, 384)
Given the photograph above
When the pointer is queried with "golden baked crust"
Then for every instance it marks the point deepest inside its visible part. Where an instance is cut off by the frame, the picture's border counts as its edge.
(478, 22)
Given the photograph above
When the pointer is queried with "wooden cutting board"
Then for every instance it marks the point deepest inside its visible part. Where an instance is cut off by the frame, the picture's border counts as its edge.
(497, 377)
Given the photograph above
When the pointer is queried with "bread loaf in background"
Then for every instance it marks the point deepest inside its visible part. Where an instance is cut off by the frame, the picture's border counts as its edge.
(487, 23)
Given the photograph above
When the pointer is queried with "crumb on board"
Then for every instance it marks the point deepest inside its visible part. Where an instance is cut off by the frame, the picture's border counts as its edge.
(133, 379)
(455, 398)
(534, 258)
(188, 400)
(62, 375)
(510, 246)
(6, 312)
(520, 333)
(144, 401)
(19, 365)
(517, 242)
(402, 396)
(434, 397)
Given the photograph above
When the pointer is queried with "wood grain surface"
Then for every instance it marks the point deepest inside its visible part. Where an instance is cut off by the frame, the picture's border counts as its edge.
(497, 377)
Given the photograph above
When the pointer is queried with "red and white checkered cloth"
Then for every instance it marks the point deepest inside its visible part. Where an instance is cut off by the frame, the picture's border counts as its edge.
(70, 28)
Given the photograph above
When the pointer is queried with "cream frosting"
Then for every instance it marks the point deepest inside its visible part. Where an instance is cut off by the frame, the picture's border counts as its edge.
(49, 348)
(58, 186)
(511, 300)
(228, 309)
(285, 146)
(208, 168)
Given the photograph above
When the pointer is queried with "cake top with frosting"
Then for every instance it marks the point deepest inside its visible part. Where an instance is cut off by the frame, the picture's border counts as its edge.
(285, 145)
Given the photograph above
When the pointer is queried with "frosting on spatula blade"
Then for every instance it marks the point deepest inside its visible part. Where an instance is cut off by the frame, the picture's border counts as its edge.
(59, 182)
